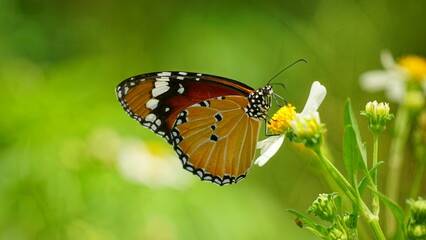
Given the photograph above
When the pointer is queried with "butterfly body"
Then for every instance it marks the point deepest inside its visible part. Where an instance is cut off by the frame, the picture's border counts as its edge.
(212, 122)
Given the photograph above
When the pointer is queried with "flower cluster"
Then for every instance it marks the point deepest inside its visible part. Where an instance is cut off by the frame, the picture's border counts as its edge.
(416, 228)
(324, 207)
(304, 127)
(327, 207)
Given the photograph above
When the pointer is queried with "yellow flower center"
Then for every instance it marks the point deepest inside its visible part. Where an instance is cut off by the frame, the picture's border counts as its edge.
(415, 65)
(280, 122)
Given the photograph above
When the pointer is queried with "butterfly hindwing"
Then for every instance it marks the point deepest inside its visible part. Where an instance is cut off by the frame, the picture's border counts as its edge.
(215, 139)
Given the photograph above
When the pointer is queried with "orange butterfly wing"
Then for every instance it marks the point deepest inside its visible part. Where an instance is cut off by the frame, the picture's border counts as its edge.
(216, 139)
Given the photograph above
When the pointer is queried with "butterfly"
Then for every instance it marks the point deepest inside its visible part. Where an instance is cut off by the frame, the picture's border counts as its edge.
(212, 122)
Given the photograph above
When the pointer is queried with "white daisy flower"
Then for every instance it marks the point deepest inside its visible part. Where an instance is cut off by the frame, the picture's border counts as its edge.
(283, 119)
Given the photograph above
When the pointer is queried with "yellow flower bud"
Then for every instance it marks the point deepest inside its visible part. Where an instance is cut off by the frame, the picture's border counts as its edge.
(377, 115)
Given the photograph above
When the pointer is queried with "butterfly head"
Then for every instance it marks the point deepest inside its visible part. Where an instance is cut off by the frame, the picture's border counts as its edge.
(259, 102)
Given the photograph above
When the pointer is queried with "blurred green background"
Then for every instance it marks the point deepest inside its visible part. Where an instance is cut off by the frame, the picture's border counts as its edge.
(69, 154)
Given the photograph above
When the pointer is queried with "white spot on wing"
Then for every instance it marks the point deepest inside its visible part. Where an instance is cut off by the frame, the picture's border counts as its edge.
(183, 73)
(160, 84)
(163, 79)
(150, 117)
(159, 90)
(152, 104)
(181, 89)
(164, 74)
(180, 77)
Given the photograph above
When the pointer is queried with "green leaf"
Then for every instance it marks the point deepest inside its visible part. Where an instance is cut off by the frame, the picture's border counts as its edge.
(309, 222)
(350, 154)
(349, 119)
(364, 182)
(317, 233)
(302, 217)
(393, 207)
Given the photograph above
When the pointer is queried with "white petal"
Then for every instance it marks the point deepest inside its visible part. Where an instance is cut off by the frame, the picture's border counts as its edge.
(391, 81)
(376, 80)
(395, 90)
(387, 59)
(316, 96)
(268, 148)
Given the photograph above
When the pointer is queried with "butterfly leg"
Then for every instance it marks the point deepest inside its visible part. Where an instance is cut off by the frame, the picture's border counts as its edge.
(275, 96)
(266, 128)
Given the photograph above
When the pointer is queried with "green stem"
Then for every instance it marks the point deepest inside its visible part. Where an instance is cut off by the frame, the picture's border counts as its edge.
(420, 169)
(375, 154)
(375, 202)
(352, 194)
(336, 175)
(396, 153)
(377, 230)
(346, 187)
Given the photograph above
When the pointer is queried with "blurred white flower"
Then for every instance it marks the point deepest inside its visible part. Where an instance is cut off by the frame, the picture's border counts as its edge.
(151, 165)
(142, 162)
(284, 118)
(395, 76)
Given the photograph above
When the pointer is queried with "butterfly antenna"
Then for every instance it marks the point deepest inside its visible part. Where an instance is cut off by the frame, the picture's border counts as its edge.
(276, 75)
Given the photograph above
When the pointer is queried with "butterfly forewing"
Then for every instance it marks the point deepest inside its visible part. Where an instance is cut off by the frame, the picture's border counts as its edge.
(216, 140)
(155, 99)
